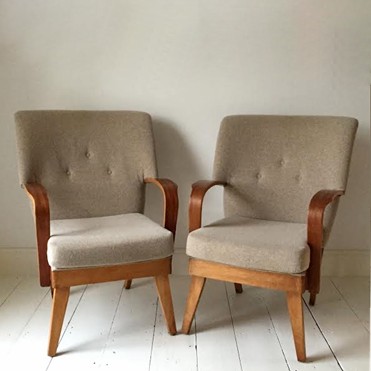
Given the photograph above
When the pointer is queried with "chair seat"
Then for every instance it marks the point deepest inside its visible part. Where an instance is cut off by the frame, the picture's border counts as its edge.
(108, 240)
(252, 243)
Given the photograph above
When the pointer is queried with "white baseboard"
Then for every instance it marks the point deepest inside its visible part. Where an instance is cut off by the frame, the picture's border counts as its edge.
(337, 263)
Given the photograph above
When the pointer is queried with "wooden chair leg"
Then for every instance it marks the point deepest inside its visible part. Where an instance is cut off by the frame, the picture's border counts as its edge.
(127, 284)
(295, 305)
(238, 288)
(60, 299)
(194, 295)
(164, 294)
(312, 298)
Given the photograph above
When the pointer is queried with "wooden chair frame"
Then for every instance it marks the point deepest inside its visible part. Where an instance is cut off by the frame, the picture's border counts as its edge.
(61, 280)
(293, 284)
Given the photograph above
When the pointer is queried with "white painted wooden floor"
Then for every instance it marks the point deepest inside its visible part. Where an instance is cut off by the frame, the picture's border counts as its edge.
(109, 328)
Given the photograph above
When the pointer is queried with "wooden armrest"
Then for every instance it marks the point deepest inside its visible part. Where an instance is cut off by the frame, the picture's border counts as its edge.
(316, 212)
(39, 197)
(199, 190)
(170, 192)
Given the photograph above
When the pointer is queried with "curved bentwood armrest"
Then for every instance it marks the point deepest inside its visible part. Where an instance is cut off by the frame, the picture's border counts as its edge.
(170, 192)
(199, 190)
(316, 212)
(39, 197)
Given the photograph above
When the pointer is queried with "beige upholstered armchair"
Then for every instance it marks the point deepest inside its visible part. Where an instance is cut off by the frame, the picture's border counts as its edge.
(85, 172)
(279, 173)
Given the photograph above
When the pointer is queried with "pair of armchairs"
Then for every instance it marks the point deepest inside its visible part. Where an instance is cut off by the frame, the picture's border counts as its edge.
(86, 172)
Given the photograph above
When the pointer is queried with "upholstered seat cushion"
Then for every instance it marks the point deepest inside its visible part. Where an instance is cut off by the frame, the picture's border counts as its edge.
(109, 240)
(252, 243)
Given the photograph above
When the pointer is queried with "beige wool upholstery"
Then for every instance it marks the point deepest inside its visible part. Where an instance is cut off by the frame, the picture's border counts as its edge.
(109, 240)
(252, 243)
(92, 163)
(273, 166)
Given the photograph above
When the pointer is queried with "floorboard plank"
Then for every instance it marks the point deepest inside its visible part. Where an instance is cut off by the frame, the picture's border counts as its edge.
(319, 355)
(30, 351)
(130, 340)
(216, 342)
(113, 329)
(343, 330)
(17, 311)
(7, 285)
(256, 337)
(356, 292)
(174, 352)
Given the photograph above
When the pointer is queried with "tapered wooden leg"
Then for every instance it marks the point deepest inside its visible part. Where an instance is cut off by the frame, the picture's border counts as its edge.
(127, 284)
(60, 299)
(295, 305)
(312, 298)
(164, 294)
(238, 288)
(194, 295)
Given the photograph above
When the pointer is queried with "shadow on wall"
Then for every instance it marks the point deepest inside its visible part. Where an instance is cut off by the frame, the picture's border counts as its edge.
(176, 161)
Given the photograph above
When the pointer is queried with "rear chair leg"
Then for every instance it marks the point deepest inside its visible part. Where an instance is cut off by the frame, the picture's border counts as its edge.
(60, 299)
(312, 298)
(195, 291)
(238, 288)
(127, 284)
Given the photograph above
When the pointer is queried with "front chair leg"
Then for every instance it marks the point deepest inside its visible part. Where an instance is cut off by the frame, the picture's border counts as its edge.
(127, 284)
(295, 305)
(194, 295)
(164, 294)
(60, 299)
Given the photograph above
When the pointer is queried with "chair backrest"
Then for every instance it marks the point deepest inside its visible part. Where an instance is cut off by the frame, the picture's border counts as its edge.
(92, 163)
(275, 164)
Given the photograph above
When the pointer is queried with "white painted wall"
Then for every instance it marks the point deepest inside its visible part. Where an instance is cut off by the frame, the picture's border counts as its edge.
(188, 63)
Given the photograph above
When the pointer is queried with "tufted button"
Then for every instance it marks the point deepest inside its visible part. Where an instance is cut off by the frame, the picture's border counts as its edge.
(88, 154)
(258, 176)
(109, 172)
(298, 177)
(68, 172)
(282, 162)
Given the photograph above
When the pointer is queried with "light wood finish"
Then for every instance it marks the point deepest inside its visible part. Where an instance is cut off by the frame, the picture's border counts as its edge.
(199, 190)
(293, 284)
(194, 295)
(62, 280)
(238, 288)
(171, 202)
(85, 276)
(164, 295)
(316, 212)
(60, 299)
(223, 272)
(38, 195)
(295, 306)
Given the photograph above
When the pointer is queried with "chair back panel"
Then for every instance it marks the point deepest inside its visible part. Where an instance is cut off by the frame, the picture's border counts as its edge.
(92, 163)
(275, 164)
